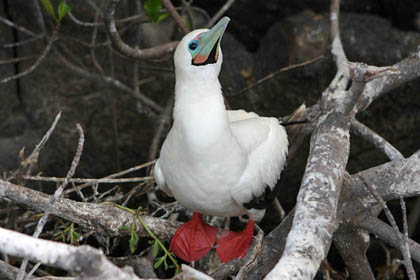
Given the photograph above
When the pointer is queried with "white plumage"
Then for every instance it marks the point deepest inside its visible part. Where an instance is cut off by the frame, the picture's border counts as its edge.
(214, 160)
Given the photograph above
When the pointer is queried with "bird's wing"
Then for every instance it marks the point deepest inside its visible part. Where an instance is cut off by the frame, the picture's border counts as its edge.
(160, 179)
(265, 142)
(238, 115)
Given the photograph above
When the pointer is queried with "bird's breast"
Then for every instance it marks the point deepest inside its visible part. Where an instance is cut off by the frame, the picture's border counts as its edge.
(201, 177)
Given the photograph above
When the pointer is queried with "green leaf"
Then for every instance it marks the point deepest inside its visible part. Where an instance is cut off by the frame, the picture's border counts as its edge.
(155, 250)
(162, 16)
(158, 262)
(184, 20)
(63, 10)
(152, 9)
(49, 8)
(124, 227)
(75, 236)
(134, 240)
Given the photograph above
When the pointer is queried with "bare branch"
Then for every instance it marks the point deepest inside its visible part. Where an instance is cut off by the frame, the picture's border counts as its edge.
(38, 61)
(174, 14)
(16, 60)
(394, 179)
(84, 261)
(24, 42)
(251, 257)
(409, 265)
(118, 174)
(386, 233)
(274, 74)
(315, 218)
(18, 27)
(401, 244)
(352, 245)
(90, 181)
(32, 159)
(366, 133)
(103, 218)
(57, 194)
(361, 74)
(337, 46)
(220, 13)
(125, 49)
(409, 69)
(109, 80)
(8, 271)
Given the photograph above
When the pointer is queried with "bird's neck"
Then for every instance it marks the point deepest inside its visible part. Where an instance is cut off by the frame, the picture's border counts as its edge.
(200, 112)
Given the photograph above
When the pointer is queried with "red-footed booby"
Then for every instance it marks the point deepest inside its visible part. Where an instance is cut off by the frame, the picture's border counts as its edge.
(215, 161)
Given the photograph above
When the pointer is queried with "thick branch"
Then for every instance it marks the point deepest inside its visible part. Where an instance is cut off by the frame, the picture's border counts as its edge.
(84, 261)
(395, 179)
(409, 69)
(99, 217)
(352, 245)
(386, 233)
(337, 47)
(309, 239)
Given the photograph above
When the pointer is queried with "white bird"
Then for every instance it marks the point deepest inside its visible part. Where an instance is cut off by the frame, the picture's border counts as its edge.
(215, 161)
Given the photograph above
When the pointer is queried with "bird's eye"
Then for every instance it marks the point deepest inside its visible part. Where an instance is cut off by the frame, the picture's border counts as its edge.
(193, 45)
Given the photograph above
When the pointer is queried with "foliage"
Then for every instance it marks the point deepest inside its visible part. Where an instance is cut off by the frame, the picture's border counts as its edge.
(67, 234)
(62, 10)
(153, 10)
(156, 243)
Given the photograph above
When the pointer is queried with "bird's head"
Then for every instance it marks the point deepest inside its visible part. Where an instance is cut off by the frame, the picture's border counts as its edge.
(199, 54)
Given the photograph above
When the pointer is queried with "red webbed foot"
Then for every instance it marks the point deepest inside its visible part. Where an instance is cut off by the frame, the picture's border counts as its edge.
(235, 244)
(194, 239)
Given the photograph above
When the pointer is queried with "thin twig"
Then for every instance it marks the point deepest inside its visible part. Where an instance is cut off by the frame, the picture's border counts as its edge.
(175, 15)
(87, 180)
(279, 209)
(32, 159)
(140, 18)
(220, 13)
(84, 23)
(56, 195)
(125, 49)
(17, 59)
(112, 81)
(93, 42)
(371, 136)
(38, 61)
(121, 173)
(408, 264)
(163, 121)
(386, 233)
(274, 74)
(413, 218)
(18, 27)
(252, 256)
(24, 42)
(390, 217)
